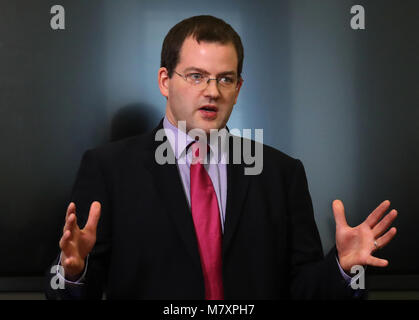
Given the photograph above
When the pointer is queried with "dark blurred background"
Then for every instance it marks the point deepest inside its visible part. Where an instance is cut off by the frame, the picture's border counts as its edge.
(343, 101)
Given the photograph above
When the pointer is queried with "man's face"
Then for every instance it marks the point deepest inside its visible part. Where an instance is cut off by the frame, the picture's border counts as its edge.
(185, 101)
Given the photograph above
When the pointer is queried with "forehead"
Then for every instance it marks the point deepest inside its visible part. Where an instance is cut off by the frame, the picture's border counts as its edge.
(213, 57)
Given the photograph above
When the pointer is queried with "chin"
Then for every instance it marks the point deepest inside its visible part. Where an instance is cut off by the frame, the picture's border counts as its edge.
(207, 125)
(211, 126)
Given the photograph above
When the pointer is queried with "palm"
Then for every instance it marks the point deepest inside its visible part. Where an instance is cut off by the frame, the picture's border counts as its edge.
(355, 245)
(77, 243)
(82, 243)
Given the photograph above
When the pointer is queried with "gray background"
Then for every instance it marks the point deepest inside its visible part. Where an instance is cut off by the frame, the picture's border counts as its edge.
(345, 102)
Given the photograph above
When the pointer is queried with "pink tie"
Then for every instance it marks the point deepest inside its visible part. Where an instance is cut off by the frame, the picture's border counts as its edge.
(206, 217)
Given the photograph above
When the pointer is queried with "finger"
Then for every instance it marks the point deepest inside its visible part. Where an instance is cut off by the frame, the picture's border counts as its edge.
(376, 262)
(378, 212)
(65, 242)
(339, 214)
(68, 262)
(383, 225)
(70, 209)
(386, 238)
(71, 223)
(94, 216)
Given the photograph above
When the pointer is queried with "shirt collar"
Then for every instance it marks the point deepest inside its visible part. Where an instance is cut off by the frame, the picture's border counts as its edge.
(179, 140)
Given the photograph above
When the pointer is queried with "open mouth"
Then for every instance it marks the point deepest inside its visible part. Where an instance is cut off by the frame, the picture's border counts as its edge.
(209, 108)
(208, 112)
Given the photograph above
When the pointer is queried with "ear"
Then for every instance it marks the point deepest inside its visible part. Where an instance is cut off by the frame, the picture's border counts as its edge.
(239, 85)
(163, 79)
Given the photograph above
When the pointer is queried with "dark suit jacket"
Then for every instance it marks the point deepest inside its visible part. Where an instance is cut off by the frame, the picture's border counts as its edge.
(146, 246)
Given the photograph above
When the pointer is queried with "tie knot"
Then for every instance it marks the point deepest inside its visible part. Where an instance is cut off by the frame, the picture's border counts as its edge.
(199, 152)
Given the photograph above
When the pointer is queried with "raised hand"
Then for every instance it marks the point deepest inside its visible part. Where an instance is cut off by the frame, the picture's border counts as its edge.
(356, 245)
(77, 243)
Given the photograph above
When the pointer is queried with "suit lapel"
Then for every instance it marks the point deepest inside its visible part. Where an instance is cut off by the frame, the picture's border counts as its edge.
(169, 186)
(170, 189)
(237, 185)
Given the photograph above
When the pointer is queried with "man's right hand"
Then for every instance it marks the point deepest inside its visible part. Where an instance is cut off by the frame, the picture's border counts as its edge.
(77, 243)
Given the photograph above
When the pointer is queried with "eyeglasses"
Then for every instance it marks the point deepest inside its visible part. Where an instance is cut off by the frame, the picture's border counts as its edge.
(200, 81)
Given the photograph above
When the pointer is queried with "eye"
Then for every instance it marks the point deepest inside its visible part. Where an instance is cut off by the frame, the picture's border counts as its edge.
(196, 77)
(226, 80)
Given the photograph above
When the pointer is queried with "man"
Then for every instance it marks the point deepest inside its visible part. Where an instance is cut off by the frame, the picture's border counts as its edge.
(190, 230)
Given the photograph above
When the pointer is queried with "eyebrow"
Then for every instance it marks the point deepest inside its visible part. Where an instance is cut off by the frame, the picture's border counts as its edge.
(206, 72)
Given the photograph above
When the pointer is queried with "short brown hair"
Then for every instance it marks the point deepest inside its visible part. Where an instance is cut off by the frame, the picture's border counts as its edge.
(201, 28)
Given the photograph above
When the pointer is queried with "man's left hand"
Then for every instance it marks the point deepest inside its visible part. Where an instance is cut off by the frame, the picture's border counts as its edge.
(356, 245)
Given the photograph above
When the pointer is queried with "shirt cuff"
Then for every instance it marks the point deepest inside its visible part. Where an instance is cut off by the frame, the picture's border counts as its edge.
(343, 273)
(79, 281)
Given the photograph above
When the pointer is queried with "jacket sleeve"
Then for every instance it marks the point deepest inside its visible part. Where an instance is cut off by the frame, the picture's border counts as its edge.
(90, 185)
(313, 276)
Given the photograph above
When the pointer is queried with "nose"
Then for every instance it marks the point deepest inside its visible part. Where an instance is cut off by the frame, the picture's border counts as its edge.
(212, 91)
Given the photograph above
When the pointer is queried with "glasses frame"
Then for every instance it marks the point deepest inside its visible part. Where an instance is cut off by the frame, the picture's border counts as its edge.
(208, 81)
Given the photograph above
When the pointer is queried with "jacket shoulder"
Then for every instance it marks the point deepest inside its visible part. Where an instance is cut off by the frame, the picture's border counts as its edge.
(119, 151)
(277, 156)
(272, 157)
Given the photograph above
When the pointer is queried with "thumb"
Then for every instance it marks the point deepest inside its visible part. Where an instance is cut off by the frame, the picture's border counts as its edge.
(94, 215)
(339, 213)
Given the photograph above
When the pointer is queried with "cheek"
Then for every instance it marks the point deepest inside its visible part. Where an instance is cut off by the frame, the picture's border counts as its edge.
(231, 99)
(182, 95)
(177, 99)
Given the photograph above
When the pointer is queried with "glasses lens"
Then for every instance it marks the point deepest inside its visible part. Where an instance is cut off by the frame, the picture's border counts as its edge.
(200, 81)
